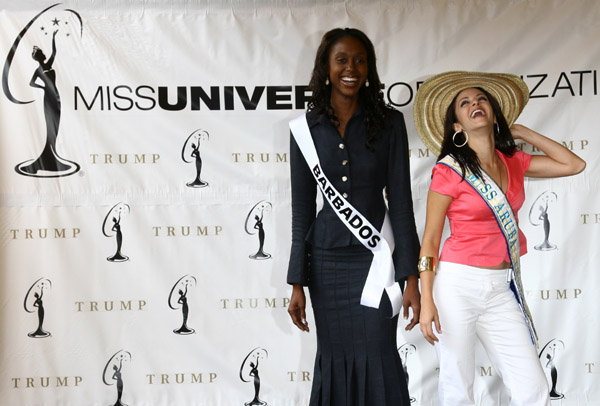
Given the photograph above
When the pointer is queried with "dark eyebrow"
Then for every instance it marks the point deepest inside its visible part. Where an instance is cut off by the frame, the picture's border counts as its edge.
(477, 95)
(363, 54)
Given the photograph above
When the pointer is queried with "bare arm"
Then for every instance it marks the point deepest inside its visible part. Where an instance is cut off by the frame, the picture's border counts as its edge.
(558, 161)
(437, 205)
(50, 60)
(32, 82)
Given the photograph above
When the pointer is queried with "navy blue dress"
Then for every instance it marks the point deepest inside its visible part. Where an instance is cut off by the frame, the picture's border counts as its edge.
(357, 361)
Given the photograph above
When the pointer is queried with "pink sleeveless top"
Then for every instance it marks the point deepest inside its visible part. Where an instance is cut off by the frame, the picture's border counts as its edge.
(476, 239)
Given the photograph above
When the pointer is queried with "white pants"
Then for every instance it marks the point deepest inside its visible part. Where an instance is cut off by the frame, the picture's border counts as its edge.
(478, 303)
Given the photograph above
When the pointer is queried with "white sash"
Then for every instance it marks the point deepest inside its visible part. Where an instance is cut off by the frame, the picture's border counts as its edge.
(381, 273)
(497, 201)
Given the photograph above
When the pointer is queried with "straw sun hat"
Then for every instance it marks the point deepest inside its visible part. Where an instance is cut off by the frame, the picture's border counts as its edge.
(436, 93)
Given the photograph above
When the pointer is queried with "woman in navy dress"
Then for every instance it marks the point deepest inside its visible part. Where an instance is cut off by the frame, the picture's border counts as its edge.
(363, 150)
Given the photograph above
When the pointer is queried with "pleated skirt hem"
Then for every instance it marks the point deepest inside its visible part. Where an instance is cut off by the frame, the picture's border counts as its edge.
(357, 361)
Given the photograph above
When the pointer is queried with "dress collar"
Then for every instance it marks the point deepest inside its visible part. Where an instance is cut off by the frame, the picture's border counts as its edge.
(314, 118)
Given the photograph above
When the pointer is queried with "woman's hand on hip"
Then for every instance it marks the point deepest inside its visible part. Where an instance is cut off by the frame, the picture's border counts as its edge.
(297, 307)
(429, 316)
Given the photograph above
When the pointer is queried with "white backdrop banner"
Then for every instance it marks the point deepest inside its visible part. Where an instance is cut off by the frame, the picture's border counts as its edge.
(145, 200)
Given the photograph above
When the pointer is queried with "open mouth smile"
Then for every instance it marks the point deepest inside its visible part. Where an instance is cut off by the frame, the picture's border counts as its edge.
(349, 80)
(478, 113)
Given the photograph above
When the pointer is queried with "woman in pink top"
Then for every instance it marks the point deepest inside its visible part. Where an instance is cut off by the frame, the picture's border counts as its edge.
(467, 116)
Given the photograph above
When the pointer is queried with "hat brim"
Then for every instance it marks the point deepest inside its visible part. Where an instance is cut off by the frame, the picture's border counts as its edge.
(436, 93)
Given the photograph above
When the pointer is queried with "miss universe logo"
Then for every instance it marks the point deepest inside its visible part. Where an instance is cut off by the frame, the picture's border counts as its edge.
(113, 373)
(111, 227)
(538, 215)
(406, 351)
(548, 358)
(249, 372)
(34, 303)
(254, 225)
(191, 152)
(50, 26)
(178, 298)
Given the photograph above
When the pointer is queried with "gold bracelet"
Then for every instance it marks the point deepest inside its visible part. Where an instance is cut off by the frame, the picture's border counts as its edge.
(426, 264)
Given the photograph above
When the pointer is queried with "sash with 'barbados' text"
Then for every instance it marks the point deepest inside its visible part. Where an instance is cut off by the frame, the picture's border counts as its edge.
(381, 244)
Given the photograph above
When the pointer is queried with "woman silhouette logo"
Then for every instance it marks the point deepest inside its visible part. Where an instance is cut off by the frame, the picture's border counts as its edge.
(249, 369)
(48, 164)
(254, 225)
(113, 227)
(538, 215)
(405, 350)
(191, 148)
(33, 300)
(180, 299)
(548, 358)
(112, 373)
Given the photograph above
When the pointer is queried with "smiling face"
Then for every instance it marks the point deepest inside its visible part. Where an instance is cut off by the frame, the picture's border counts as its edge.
(348, 67)
(473, 110)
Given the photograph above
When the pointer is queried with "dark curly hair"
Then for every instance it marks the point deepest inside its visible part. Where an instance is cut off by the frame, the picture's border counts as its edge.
(465, 156)
(371, 98)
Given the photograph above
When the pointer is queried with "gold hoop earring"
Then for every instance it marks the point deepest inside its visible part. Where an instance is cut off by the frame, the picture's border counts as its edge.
(454, 138)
